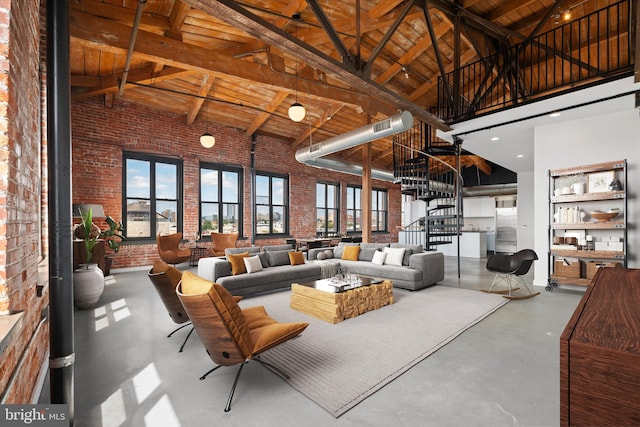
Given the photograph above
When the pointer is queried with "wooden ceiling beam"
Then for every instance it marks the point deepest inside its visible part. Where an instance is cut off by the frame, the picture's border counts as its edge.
(110, 83)
(148, 21)
(179, 13)
(264, 116)
(97, 33)
(326, 114)
(234, 14)
(196, 106)
(508, 8)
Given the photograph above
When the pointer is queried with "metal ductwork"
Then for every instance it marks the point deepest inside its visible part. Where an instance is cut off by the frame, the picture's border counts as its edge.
(491, 190)
(311, 155)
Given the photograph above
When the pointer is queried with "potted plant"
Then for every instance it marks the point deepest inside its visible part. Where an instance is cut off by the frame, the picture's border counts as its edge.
(88, 280)
(113, 236)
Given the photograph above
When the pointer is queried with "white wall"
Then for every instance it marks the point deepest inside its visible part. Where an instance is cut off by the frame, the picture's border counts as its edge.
(596, 139)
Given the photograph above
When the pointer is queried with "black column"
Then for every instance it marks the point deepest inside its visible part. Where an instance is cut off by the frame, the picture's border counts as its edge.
(60, 223)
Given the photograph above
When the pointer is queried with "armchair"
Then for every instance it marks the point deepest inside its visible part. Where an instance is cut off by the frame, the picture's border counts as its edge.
(222, 241)
(512, 267)
(169, 250)
(231, 335)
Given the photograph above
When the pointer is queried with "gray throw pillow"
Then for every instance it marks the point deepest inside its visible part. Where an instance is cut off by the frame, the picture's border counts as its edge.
(407, 254)
(366, 254)
(328, 253)
(264, 259)
(278, 258)
(321, 256)
(250, 249)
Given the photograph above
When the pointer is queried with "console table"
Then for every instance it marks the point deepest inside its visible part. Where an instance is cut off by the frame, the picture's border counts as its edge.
(600, 353)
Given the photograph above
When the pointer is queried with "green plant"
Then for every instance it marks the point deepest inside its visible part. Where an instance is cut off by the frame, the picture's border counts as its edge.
(89, 242)
(114, 235)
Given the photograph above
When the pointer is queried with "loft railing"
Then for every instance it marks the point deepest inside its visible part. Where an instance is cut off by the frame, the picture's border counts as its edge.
(596, 47)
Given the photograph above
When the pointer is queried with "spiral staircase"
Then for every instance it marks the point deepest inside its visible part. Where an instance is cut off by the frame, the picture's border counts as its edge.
(422, 165)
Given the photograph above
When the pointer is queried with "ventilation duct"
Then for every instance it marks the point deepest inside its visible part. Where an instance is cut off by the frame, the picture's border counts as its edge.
(395, 124)
(491, 190)
(351, 168)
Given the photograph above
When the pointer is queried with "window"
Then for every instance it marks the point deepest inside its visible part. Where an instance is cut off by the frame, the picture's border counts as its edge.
(354, 211)
(327, 204)
(379, 210)
(272, 209)
(220, 199)
(153, 195)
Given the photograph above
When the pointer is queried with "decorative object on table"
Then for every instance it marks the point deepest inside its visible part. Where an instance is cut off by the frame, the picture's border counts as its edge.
(615, 185)
(605, 216)
(88, 280)
(599, 181)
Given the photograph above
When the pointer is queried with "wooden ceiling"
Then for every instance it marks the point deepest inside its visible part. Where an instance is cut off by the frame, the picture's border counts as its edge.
(348, 62)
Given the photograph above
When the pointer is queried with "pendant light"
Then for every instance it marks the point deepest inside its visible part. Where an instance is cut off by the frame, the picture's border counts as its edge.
(206, 139)
(297, 112)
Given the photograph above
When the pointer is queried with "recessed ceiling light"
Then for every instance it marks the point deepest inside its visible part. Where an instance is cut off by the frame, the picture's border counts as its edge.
(556, 114)
(520, 156)
(495, 138)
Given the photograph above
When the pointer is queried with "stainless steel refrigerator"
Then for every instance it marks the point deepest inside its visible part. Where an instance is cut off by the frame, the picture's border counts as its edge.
(506, 230)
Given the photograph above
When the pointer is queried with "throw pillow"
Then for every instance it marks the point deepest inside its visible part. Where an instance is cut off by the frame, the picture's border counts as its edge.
(278, 258)
(193, 284)
(350, 253)
(321, 256)
(378, 257)
(407, 255)
(296, 258)
(328, 253)
(252, 264)
(394, 256)
(237, 262)
(366, 254)
(251, 249)
(264, 259)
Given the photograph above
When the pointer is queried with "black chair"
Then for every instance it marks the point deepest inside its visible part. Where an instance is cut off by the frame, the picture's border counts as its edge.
(293, 243)
(511, 267)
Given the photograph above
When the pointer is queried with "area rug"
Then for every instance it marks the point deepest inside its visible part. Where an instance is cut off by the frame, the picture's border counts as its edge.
(338, 366)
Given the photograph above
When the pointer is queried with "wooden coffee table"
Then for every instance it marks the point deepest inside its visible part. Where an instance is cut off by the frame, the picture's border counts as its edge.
(325, 302)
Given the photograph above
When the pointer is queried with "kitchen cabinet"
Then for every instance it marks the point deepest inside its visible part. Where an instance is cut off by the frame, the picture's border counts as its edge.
(479, 207)
(580, 243)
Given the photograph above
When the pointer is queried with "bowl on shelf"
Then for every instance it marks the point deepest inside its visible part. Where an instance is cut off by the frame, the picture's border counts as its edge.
(604, 216)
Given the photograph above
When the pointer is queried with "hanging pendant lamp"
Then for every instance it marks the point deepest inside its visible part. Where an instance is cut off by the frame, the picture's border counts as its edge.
(206, 139)
(297, 112)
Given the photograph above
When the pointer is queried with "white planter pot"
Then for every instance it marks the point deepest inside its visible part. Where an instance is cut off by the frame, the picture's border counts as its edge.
(88, 285)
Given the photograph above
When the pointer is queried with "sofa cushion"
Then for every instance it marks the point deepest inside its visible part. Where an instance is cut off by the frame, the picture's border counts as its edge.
(415, 248)
(366, 254)
(328, 253)
(296, 258)
(337, 251)
(278, 258)
(194, 285)
(394, 256)
(380, 246)
(250, 249)
(351, 253)
(378, 258)
(264, 259)
(237, 262)
(274, 248)
(321, 256)
(252, 264)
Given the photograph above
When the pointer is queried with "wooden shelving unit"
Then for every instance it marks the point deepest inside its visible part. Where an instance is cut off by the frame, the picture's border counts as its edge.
(575, 263)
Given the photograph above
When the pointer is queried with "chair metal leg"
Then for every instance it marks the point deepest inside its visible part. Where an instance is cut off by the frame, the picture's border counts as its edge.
(208, 372)
(233, 388)
(279, 372)
(178, 328)
(185, 340)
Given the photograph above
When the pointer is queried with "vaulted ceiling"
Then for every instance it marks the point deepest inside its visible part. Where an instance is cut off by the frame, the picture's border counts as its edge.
(348, 62)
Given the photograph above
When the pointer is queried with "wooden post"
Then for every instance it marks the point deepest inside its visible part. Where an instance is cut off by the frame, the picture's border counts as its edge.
(365, 200)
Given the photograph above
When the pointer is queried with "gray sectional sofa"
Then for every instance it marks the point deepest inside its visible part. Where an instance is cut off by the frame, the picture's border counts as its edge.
(419, 269)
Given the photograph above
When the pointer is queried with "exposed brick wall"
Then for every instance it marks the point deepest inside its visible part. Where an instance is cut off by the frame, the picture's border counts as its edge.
(20, 192)
(101, 134)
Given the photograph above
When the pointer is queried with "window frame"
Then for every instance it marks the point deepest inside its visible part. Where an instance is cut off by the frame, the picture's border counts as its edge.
(220, 169)
(153, 160)
(285, 206)
(375, 213)
(326, 209)
(357, 201)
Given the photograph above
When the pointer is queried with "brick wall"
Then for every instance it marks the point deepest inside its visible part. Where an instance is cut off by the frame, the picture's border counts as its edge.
(20, 194)
(101, 134)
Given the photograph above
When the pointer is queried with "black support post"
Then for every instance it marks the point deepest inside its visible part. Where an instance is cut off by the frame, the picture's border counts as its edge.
(61, 340)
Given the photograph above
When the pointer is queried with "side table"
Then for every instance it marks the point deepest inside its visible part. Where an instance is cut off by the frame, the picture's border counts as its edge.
(197, 252)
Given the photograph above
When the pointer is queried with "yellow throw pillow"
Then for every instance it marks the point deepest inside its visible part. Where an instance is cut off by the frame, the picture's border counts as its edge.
(192, 284)
(296, 258)
(237, 262)
(351, 253)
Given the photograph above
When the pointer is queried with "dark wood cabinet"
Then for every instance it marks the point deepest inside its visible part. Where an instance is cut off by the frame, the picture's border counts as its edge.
(600, 353)
(80, 255)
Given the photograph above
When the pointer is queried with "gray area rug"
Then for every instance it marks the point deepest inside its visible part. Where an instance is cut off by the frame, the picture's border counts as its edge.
(338, 366)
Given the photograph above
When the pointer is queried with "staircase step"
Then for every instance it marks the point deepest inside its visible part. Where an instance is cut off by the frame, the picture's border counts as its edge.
(440, 207)
(442, 234)
(431, 218)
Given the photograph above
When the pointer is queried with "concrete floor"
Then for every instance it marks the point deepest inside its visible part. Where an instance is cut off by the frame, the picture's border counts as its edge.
(503, 371)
